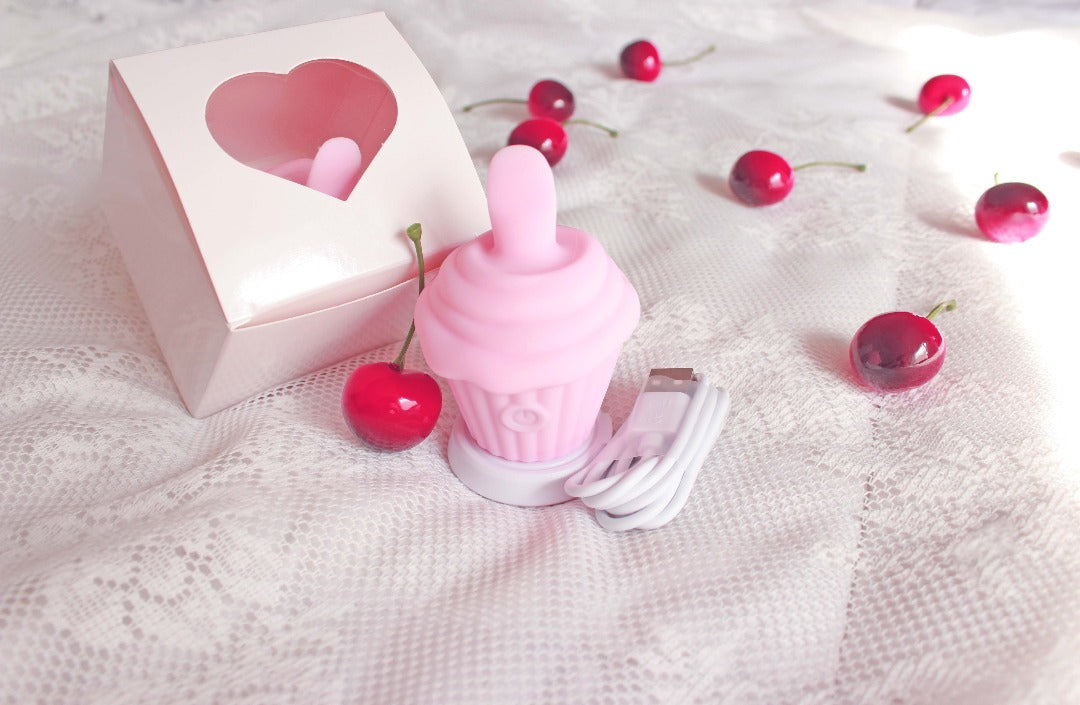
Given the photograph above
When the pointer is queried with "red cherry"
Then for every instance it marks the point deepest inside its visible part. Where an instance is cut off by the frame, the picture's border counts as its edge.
(386, 407)
(640, 61)
(947, 88)
(551, 99)
(543, 134)
(761, 178)
(942, 95)
(547, 98)
(1012, 212)
(899, 350)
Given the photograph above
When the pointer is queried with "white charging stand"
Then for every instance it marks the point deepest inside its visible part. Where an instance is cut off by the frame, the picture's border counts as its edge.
(536, 484)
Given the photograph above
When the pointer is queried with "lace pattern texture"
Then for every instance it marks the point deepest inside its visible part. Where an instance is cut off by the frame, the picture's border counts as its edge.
(839, 546)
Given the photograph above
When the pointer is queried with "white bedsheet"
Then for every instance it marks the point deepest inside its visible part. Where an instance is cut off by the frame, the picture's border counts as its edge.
(840, 546)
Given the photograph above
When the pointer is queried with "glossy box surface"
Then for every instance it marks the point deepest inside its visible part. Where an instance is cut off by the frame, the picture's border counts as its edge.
(248, 278)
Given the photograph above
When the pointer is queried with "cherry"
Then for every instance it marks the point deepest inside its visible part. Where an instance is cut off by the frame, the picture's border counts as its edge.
(548, 136)
(640, 60)
(386, 407)
(946, 94)
(1011, 212)
(547, 98)
(899, 350)
(551, 99)
(761, 178)
(543, 134)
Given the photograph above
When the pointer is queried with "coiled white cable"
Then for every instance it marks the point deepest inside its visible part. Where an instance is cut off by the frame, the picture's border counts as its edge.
(642, 478)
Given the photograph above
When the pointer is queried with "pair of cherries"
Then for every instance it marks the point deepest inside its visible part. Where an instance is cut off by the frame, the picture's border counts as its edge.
(890, 352)
(761, 178)
(1009, 212)
(551, 105)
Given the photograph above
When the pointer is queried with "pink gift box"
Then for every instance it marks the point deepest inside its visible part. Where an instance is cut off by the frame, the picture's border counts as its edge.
(249, 277)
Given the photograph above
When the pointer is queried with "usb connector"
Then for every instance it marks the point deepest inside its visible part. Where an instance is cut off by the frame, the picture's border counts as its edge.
(643, 476)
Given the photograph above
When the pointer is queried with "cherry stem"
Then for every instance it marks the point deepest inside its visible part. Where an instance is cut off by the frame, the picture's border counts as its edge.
(413, 232)
(856, 167)
(949, 305)
(949, 100)
(493, 101)
(700, 55)
(590, 123)
(996, 177)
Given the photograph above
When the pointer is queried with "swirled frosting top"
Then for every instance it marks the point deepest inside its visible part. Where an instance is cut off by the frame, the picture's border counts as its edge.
(527, 304)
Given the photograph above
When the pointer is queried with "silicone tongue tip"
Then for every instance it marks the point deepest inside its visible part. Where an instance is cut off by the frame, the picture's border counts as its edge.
(521, 202)
(336, 167)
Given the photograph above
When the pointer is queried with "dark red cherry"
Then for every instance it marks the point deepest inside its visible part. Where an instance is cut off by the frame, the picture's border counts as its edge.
(898, 350)
(1012, 212)
(640, 61)
(543, 134)
(551, 99)
(547, 98)
(761, 178)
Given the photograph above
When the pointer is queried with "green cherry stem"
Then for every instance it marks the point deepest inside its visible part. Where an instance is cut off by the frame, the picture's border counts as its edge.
(997, 176)
(856, 167)
(493, 101)
(700, 55)
(936, 111)
(949, 305)
(413, 232)
(590, 123)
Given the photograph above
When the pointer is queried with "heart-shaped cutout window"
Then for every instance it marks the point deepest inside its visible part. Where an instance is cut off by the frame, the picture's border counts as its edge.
(320, 125)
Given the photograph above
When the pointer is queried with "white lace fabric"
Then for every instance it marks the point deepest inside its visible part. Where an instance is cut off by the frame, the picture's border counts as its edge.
(839, 546)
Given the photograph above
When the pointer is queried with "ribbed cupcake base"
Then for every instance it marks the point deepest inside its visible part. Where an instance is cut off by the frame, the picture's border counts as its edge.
(535, 425)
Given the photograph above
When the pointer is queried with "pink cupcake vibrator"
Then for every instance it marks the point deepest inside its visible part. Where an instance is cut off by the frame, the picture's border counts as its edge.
(526, 323)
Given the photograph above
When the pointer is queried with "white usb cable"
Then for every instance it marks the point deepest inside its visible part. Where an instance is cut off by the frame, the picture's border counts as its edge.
(642, 478)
